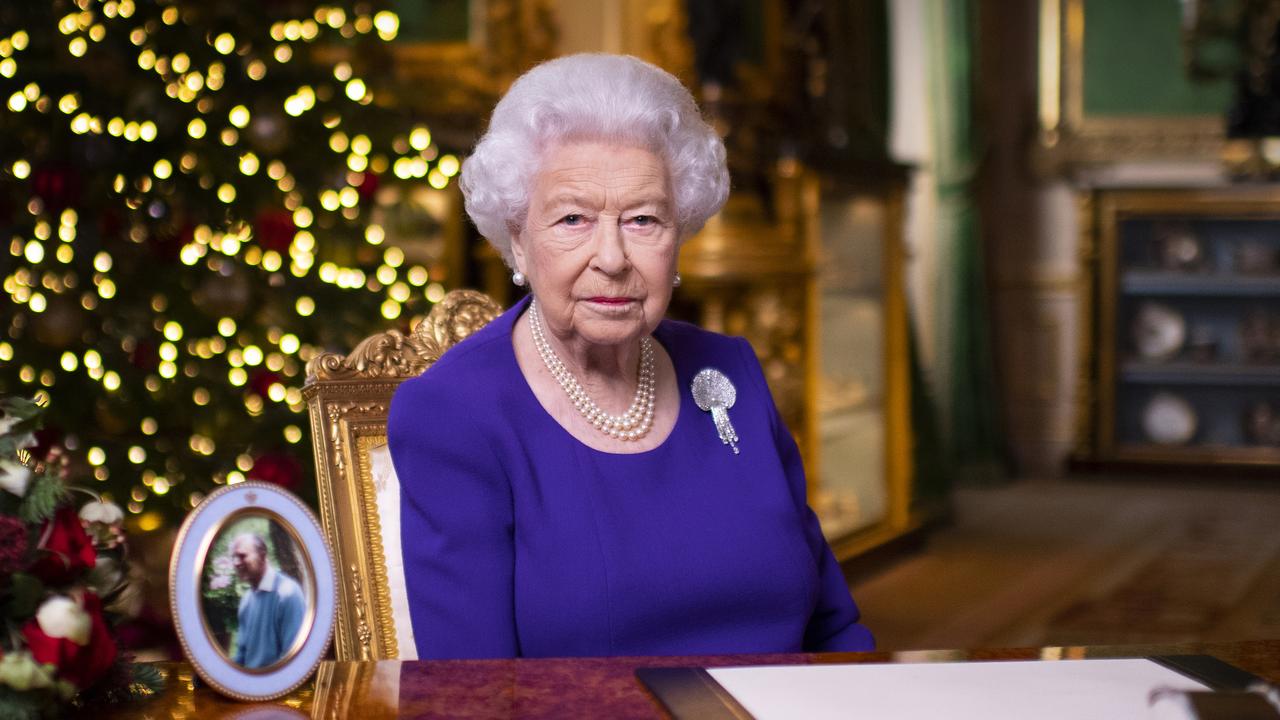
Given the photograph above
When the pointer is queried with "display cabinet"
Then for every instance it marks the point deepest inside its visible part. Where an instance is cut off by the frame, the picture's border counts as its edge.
(815, 280)
(1183, 363)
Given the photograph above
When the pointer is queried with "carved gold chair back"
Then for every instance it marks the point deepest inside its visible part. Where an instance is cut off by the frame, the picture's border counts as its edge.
(348, 398)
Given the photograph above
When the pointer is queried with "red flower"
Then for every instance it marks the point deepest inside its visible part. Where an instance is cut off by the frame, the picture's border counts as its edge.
(66, 551)
(81, 665)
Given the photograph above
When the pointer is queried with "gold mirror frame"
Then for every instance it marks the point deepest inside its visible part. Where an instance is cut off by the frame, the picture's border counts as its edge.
(1070, 137)
(466, 78)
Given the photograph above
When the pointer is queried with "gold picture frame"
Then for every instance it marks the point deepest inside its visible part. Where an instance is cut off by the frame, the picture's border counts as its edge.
(465, 76)
(1070, 136)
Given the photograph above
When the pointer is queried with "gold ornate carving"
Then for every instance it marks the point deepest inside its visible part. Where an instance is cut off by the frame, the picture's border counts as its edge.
(387, 354)
(373, 540)
(363, 633)
(392, 354)
(458, 315)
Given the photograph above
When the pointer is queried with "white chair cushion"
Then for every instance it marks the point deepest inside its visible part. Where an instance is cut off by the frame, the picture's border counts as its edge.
(387, 493)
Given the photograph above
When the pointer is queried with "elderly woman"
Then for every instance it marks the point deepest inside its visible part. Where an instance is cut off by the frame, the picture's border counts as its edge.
(568, 487)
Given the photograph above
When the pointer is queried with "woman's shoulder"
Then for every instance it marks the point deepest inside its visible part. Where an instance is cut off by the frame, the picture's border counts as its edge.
(683, 337)
(693, 345)
(477, 366)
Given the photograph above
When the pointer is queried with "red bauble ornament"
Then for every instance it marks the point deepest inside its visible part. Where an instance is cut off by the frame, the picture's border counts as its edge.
(144, 356)
(261, 381)
(58, 185)
(368, 186)
(167, 242)
(278, 468)
(274, 230)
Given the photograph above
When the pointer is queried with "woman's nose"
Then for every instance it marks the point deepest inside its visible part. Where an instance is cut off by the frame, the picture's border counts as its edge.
(611, 252)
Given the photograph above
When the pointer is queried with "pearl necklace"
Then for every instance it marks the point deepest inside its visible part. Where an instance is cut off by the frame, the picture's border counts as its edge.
(631, 425)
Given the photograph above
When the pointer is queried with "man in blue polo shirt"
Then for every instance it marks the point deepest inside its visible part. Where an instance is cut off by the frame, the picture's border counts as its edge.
(271, 613)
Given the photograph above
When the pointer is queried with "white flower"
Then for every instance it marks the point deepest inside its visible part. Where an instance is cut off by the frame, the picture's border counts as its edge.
(21, 672)
(62, 617)
(107, 513)
(14, 477)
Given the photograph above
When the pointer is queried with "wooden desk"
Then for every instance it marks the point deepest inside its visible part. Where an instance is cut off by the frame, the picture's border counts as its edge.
(571, 688)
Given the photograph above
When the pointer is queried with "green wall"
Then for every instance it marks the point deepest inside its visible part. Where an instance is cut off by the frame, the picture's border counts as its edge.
(1133, 62)
(433, 20)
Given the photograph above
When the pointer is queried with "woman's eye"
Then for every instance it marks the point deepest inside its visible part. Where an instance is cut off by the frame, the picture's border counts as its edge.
(642, 220)
(572, 219)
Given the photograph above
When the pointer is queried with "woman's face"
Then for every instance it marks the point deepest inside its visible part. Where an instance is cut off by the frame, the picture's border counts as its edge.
(600, 241)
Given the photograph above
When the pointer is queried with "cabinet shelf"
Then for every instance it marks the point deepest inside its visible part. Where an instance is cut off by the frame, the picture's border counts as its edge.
(1198, 454)
(1161, 282)
(1221, 389)
(1188, 373)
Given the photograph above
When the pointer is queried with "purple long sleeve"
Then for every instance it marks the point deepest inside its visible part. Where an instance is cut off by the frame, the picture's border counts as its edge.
(521, 541)
(834, 626)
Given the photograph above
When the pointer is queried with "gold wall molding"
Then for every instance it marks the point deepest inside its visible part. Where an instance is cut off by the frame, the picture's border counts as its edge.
(1069, 137)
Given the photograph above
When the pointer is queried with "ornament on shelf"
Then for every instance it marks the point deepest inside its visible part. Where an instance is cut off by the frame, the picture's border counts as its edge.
(1262, 424)
(1180, 249)
(1159, 331)
(1168, 419)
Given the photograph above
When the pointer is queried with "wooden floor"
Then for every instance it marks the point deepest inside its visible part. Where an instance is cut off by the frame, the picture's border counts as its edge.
(1071, 562)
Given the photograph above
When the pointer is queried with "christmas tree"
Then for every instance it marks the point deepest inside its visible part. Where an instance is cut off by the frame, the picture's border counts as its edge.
(190, 193)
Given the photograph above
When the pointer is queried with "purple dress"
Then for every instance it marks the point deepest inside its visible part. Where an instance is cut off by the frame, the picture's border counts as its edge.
(520, 541)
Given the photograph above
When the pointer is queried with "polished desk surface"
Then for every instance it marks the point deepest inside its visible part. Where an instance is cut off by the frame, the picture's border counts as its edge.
(568, 688)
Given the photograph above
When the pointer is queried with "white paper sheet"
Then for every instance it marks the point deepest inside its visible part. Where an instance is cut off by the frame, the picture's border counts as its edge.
(1058, 690)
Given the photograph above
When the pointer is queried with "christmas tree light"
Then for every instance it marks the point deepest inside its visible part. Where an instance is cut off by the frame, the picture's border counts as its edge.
(188, 195)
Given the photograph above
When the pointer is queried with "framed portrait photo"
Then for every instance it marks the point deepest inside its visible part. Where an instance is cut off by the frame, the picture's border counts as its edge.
(253, 591)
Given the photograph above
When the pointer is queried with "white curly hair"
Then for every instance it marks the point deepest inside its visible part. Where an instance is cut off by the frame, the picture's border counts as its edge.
(594, 97)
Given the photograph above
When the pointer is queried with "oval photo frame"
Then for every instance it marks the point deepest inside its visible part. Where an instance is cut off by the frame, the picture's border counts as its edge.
(253, 554)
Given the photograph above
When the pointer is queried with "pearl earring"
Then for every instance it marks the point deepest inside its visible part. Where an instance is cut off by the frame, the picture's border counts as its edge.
(518, 278)
(676, 281)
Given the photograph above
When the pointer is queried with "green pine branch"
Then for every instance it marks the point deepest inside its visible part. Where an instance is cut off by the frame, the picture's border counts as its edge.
(45, 494)
(29, 705)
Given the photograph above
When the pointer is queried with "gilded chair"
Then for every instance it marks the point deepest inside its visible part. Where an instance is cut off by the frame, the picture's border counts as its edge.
(348, 398)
